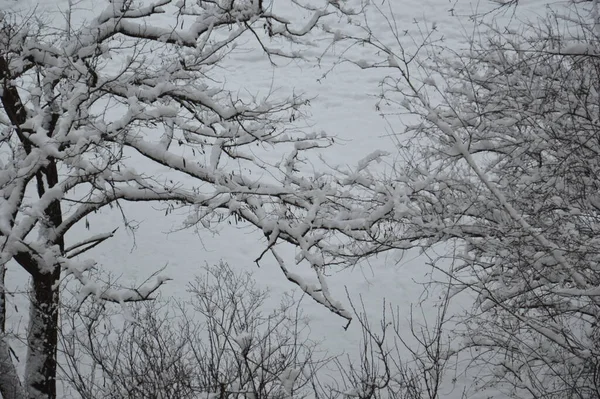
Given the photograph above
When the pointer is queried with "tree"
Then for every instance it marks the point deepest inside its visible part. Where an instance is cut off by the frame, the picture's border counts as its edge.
(134, 86)
(225, 342)
(397, 362)
(500, 163)
(222, 343)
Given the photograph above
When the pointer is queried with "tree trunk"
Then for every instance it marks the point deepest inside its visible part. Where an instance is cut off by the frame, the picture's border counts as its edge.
(2, 301)
(42, 337)
(10, 384)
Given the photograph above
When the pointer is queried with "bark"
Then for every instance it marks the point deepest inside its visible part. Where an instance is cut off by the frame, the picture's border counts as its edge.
(42, 335)
(2, 301)
(10, 385)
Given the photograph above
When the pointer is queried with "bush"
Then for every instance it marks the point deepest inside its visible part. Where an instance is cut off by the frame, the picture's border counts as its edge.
(220, 343)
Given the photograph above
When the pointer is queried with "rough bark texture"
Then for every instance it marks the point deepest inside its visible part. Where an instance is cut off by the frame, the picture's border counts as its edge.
(10, 385)
(42, 338)
(2, 301)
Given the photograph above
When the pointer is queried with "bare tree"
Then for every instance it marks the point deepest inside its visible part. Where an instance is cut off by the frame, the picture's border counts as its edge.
(399, 357)
(84, 106)
(223, 343)
(499, 161)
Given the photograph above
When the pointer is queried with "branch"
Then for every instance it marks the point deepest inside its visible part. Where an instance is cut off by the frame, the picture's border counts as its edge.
(320, 295)
(93, 241)
(78, 270)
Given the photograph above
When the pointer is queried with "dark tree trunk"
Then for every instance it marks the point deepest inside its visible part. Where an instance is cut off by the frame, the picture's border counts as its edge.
(2, 300)
(42, 335)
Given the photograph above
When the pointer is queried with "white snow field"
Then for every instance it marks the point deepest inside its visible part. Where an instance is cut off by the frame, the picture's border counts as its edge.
(343, 105)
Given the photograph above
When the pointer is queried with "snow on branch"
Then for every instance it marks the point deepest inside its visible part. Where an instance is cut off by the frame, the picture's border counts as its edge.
(79, 269)
(498, 167)
(124, 109)
(319, 293)
(122, 89)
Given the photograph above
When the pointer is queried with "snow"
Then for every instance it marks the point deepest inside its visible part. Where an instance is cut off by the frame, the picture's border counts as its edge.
(215, 154)
(344, 107)
(288, 377)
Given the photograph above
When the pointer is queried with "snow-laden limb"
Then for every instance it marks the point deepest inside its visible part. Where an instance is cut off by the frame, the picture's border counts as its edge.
(79, 271)
(85, 107)
(500, 160)
(319, 293)
(87, 244)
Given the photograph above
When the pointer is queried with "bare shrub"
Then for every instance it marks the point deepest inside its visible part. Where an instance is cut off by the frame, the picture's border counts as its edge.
(221, 342)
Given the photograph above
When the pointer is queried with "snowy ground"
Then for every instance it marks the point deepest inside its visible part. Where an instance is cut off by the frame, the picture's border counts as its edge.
(344, 105)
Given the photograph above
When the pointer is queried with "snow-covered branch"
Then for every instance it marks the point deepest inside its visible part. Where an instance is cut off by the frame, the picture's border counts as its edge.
(501, 166)
(83, 108)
